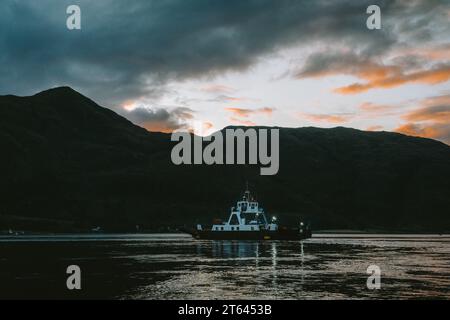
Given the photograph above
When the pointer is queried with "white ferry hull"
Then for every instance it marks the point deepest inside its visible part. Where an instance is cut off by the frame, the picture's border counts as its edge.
(251, 235)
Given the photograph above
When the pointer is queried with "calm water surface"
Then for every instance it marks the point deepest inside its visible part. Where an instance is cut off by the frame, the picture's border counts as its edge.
(174, 266)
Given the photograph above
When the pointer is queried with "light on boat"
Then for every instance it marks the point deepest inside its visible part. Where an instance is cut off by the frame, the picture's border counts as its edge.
(274, 218)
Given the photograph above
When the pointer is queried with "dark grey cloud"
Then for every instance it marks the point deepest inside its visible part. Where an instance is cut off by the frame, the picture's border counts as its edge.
(415, 25)
(160, 119)
(325, 62)
(129, 49)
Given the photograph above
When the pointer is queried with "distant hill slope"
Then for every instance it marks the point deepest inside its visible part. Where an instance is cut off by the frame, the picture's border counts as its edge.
(68, 164)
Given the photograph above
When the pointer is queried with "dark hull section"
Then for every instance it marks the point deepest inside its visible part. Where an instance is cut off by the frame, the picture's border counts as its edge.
(251, 235)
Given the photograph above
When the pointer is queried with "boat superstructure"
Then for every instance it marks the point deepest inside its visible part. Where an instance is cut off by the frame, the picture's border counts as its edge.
(248, 221)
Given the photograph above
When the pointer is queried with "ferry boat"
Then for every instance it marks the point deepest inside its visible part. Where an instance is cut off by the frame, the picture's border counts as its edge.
(248, 221)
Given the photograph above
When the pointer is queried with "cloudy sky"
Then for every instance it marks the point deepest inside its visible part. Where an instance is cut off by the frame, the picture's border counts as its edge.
(206, 64)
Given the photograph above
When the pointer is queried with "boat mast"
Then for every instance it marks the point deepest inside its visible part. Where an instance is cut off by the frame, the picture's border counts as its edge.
(247, 192)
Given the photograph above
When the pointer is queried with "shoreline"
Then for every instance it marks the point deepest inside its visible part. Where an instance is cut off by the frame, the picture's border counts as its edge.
(86, 236)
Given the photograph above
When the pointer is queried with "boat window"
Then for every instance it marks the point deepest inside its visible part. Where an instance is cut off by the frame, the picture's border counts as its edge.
(221, 228)
(237, 228)
(232, 228)
(252, 228)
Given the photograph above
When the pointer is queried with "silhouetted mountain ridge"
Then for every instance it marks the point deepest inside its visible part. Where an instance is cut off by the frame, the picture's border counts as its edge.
(69, 164)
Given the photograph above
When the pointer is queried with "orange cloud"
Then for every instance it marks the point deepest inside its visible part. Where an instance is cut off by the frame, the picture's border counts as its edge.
(404, 69)
(207, 125)
(375, 72)
(434, 76)
(129, 105)
(217, 88)
(242, 122)
(158, 126)
(245, 113)
(437, 100)
(439, 114)
(369, 110)
(431, 120)
(371, 107)
(330, 118)
(224, 98)
(426, 131)
(375, 128)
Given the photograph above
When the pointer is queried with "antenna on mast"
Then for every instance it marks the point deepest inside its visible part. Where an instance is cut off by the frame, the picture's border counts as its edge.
(247, 192)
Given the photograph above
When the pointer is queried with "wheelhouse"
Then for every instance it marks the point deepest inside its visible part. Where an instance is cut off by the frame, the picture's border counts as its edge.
(246, 216)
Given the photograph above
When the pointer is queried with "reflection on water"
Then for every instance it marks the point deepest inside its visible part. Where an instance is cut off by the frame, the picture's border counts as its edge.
(177, 267)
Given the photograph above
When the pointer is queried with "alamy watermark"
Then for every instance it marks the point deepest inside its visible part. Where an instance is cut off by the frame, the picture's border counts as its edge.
(236, 146)
(374, 279)
(73, 281)
(374, 20)
(73, 21)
